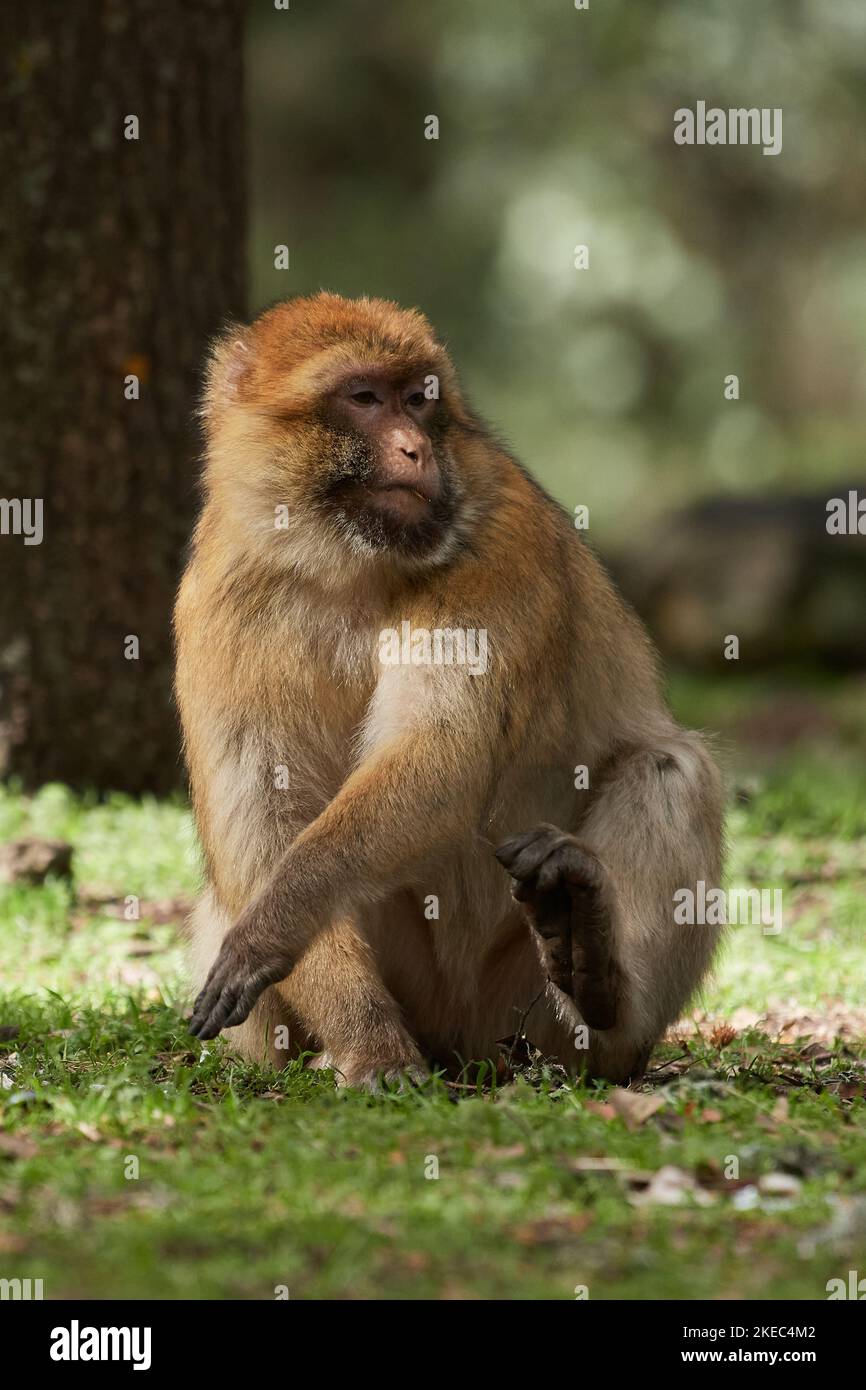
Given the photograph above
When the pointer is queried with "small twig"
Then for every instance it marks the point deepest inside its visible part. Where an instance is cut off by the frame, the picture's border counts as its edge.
(523, 1017)
(671, 1062)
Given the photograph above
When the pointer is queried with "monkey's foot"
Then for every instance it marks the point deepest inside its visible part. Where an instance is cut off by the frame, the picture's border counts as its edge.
(566, 895)
(363, 1074)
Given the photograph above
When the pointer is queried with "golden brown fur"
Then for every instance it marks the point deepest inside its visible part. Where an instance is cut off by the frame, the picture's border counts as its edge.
(402, 779)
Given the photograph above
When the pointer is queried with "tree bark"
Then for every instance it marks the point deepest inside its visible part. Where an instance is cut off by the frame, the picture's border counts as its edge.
(118, 257)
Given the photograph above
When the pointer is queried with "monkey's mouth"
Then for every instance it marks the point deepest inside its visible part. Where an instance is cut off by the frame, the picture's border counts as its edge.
(404, 487)
(403, 499)
(394, 514)
(377, 490)
(402, 503)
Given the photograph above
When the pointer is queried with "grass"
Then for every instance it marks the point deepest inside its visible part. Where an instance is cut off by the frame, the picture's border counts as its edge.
(134, 1163)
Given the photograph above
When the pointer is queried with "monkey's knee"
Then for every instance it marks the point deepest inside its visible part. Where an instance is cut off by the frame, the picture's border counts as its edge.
(337, 992)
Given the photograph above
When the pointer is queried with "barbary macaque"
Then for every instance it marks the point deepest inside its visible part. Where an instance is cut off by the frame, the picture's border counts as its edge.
(405, 856)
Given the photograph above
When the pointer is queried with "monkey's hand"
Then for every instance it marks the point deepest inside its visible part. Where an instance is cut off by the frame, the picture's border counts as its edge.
(565, 892)
(247, 963)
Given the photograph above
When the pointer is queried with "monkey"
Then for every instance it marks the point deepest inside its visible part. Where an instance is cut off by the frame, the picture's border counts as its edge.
(408, 856)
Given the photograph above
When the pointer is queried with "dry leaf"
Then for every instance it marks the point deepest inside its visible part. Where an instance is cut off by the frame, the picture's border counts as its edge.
(509, 1151)
(602, 1164)
(634, 1107)
(32, 859)
(18, 1146)
(596, 1107)
(552, 1230)
(415, 1260)
(672, 1187)
(11, 1243)
(779, 1185)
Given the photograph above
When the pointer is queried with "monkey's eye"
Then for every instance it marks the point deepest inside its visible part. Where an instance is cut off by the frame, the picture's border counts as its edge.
(416, 400)
(365, 398)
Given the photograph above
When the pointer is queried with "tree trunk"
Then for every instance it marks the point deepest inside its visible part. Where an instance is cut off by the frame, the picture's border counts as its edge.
(118, 258)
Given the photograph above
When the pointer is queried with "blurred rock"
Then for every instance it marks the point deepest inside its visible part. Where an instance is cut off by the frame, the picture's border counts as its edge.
(764, 569)
(31, 860)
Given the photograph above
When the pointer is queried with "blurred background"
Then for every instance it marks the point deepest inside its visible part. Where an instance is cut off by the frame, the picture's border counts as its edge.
(304, 127)
(556, 129)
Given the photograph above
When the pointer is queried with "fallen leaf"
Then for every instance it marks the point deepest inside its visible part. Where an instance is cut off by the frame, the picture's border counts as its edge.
(32, 859)
(18, 1146)
(415, 1260)
(11, 1244)
(601, 1164)
(779, 1185)
(611, 1167)
(508, 1151)
(634, 1107)
(552, 1230)
(671, 1187)
(710, 1174)
(510, 1180)
(596, 1107)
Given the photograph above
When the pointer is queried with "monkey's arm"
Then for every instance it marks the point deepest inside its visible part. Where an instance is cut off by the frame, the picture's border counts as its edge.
(414, 793)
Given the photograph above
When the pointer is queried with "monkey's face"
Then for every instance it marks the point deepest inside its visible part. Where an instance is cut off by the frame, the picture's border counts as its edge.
(387, 480)
(338, 438)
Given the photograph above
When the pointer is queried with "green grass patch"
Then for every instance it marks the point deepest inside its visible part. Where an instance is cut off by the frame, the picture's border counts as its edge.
(136, 1163)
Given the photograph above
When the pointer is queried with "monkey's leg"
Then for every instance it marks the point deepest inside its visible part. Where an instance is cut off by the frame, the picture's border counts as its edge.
(336, 991)
(601, 903)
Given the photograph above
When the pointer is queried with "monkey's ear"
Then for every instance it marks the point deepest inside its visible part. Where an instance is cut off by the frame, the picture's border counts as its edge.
(229, 369)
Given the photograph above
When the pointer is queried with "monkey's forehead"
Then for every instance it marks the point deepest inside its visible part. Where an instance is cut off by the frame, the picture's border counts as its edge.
(302, 383)
(306, 346)
(303, 327)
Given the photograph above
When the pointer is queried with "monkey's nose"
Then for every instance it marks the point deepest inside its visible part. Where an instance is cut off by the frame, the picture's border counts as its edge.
(410, 454)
